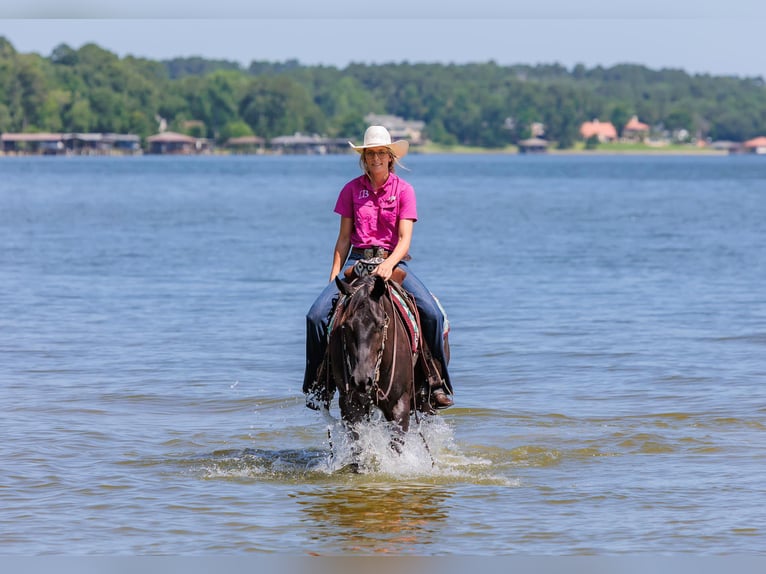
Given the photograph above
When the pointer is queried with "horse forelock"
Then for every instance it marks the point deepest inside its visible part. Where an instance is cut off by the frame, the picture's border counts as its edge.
(361, 297)
(364, 315)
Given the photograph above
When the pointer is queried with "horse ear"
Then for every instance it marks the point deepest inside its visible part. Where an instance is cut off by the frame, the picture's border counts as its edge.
(379, 289)
(350, 274)
(343, 287)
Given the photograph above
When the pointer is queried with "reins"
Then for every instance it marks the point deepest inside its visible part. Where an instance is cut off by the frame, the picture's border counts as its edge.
(375, 383)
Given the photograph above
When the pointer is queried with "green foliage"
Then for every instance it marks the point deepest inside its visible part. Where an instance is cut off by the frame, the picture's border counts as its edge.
(481, 104)
(235, 129)
(278, 105)
(197, 66)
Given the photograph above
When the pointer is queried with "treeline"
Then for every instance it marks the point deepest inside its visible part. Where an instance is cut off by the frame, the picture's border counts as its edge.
(93, 90)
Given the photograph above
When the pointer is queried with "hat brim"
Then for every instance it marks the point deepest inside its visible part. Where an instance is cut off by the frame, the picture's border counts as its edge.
(398, 148)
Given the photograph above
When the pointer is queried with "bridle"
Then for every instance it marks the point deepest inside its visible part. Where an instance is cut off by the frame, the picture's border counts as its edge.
(375, 387)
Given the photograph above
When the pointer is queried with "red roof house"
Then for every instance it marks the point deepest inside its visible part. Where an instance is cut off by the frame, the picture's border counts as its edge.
(604, 131)
(635, 129)
(756, 145)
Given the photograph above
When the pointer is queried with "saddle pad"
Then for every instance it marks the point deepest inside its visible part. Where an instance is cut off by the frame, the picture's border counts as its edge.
(407, 317)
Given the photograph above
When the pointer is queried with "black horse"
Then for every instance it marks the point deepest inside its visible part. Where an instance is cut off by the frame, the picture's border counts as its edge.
(376, 356)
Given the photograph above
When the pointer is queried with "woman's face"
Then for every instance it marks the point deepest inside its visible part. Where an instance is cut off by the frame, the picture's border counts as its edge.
(378, 160)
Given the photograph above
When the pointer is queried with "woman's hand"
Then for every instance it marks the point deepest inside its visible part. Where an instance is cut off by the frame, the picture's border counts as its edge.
(384, 270)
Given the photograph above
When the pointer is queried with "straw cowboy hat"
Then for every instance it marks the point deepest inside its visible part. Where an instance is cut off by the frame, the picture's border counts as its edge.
(378, 136)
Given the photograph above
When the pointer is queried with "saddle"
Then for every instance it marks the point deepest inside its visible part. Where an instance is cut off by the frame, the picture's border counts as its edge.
(366, 266)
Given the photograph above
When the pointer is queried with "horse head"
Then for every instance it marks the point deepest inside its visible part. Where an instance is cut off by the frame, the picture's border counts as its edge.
(363, 330)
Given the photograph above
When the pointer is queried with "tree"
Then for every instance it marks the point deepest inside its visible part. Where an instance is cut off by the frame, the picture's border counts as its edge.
(31, 82)
(5, 118)
(592, 142)
(64, 55)
(275, 106)
(235, 129)
(93, 89)
(619, 115)
(79, 117)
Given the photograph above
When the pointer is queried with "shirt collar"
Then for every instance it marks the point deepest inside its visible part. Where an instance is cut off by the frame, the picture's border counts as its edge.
(387, 188)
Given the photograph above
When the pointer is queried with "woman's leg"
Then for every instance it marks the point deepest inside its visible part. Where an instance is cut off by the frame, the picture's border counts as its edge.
(431, 320)
(317, 319)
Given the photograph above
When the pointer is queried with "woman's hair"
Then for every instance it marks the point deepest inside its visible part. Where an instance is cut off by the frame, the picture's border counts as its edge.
(393, 161)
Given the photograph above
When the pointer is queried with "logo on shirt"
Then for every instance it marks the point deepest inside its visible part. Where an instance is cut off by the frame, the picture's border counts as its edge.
(364, 194)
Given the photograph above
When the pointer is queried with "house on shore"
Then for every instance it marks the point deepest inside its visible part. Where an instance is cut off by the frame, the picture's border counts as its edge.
(124, 143)
(69, 144)
(102, 144)
(399, 128)
(246, 144)
(635, 130)
(603, 131)
(308, 144)
(177, 144)
(32, 144)
(756, 146)
(726, 145)
(533, 145)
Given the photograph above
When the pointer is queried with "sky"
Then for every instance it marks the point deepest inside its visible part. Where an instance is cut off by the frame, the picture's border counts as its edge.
(697, 36)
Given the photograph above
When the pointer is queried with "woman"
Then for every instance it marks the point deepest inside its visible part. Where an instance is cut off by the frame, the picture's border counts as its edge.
(377, 213)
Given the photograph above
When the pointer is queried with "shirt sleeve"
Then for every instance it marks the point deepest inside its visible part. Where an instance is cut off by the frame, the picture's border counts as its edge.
(345, 204)
(407, 203)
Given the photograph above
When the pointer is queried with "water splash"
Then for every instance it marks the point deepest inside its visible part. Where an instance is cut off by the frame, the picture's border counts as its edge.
(427, 450)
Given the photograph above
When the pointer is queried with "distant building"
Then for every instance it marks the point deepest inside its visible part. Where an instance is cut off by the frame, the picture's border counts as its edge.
(533, 145)
(727, 146)
(246, 144)
(123, 143)
(399, 128)
(69, 144)
(604, 131)
(102, 144)
(178, 144)
(755, 145)
(314, 144)
(635, 130)
(36, 143)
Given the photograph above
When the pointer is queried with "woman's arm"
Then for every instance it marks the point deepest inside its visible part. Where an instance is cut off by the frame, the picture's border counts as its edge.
(386, 268)
(342, 246)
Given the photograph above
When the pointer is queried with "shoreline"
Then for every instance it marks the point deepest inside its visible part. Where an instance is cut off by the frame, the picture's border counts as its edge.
(426, 150)
(629, 150)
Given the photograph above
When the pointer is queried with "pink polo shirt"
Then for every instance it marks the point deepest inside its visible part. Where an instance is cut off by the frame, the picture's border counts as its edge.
(376, 215)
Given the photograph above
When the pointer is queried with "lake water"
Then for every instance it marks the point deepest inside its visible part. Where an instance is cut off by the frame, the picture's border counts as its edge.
(608, 344)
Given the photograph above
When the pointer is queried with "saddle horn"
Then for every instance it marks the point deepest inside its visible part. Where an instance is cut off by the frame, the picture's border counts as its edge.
(397, 275)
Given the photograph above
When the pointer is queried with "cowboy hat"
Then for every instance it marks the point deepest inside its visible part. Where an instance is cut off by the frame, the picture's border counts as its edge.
(378, 136)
